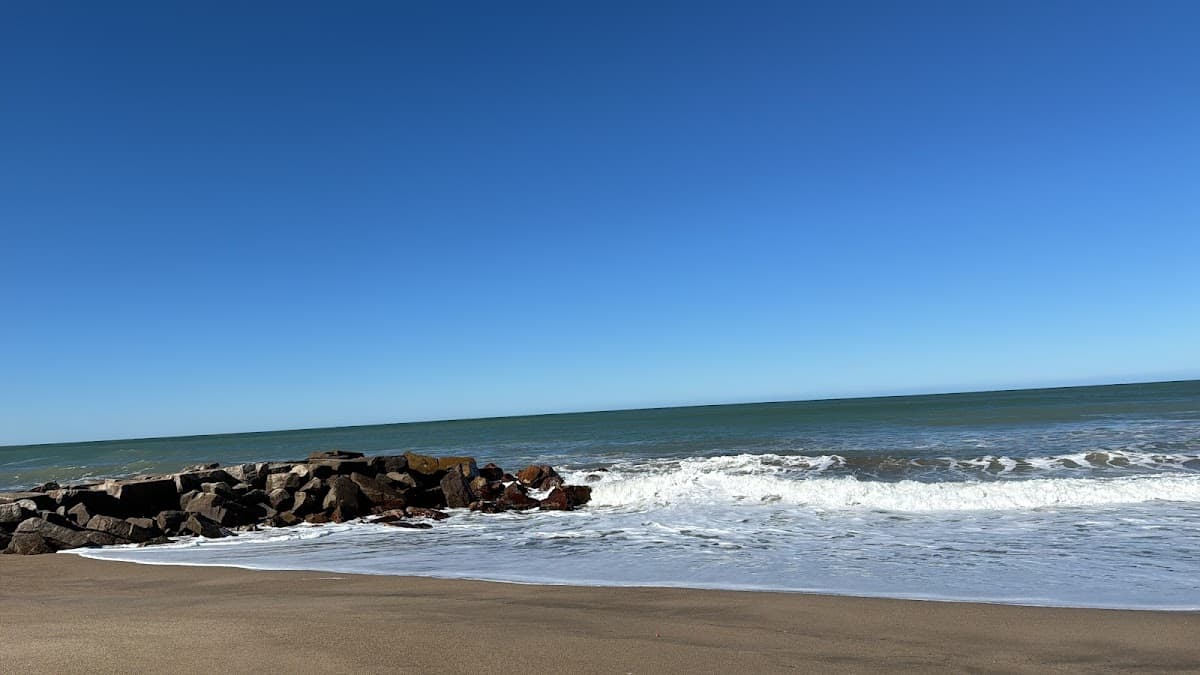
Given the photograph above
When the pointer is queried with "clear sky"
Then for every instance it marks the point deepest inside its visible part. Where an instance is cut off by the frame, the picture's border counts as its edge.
(228, 216)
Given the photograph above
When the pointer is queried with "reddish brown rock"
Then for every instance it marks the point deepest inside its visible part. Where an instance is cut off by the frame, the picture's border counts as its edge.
(555, 501)
(491, 472)
(515, 497)
(534, 475)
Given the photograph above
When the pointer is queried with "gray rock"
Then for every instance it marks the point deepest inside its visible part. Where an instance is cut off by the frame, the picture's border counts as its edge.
(217, 509)
(14, 513)
(79, 514)
(345, 500)
(202, 526)
(305, 503)
(60, 536)
(220, 489)
(29, 543)
(193, 480)
(122, 529)
(279, 498)
(284, 481)
(170, 522)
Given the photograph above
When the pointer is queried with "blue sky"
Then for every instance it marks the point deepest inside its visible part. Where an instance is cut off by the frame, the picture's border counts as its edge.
(216, 217)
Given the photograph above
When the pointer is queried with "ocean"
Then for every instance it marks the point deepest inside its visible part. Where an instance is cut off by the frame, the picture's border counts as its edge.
(1083, 496)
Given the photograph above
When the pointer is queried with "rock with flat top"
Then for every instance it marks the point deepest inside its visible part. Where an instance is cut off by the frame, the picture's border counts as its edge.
(14, 513)
(149, 495)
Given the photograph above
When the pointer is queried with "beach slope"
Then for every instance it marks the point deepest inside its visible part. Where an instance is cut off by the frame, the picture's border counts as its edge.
(63, 613)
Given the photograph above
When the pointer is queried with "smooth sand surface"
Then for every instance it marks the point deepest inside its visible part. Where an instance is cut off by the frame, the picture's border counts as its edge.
(62, 613)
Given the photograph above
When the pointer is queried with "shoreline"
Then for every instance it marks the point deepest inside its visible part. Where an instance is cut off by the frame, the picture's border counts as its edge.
(87, 553)
(68, 613)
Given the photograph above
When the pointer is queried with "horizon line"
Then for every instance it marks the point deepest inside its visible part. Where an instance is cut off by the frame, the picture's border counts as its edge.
(599, 411)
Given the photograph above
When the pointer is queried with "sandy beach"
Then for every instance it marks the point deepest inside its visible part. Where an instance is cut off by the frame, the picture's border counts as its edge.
(63, 613)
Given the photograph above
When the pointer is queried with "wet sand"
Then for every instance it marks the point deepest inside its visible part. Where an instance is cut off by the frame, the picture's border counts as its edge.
(62, 613)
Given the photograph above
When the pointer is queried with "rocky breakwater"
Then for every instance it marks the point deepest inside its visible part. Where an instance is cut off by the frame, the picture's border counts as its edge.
(407, 490)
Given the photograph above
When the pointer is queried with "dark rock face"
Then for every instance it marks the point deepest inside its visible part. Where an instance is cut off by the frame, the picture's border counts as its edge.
(345, 500)
(456, 490)
(171, 522)
(378, 492)
(555, 501)
(515, 497)
(491, 472)
(207, 500)
(145, 496)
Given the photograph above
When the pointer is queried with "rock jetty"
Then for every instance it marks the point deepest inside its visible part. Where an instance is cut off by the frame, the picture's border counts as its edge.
(408, 490)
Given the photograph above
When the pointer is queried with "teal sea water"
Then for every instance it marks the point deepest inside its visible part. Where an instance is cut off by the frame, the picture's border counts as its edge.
(1085, 496)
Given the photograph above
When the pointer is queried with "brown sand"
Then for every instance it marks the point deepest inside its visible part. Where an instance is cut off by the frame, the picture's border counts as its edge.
(62, 613)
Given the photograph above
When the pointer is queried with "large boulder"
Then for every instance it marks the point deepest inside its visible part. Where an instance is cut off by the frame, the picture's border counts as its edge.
(305, 503)
(423, 465)
(388, 464)
(534, 475)
(217, 508)
(555, 501)
(515, 497)
(171, 522)
(326, 468)
(491, 472)
(14, 513)
(124, 529)
(378, 492)
(290, 481)
(61, 536)
(29, 543)
(193, 480)
(40, 500)
(279, 498)
(578, 494)
(253, 474)
(80, 514)
(456, 491)
(202, 526)
(345, 500)
(144, 496)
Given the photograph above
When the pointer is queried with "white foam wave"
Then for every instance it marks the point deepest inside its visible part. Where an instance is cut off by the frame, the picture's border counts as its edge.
(725, 480)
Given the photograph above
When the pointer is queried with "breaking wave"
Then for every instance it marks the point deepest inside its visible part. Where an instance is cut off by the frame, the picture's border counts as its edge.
(821, 482)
